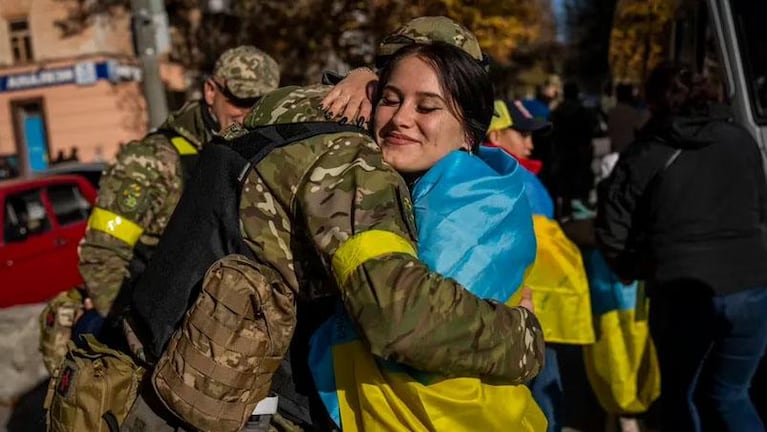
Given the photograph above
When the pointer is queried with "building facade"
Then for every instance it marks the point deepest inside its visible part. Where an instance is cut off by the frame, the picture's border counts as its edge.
(65, 96)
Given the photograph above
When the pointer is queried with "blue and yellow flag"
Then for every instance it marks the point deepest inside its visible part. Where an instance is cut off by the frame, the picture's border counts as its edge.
(560, 286)
(621, 365)
(474, 225)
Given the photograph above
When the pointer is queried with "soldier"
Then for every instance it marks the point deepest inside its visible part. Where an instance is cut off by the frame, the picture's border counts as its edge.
(326, 217)
(140, 190)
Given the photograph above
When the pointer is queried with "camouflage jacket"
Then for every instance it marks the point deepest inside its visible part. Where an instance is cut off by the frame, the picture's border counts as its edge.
(137, 195)
(332, 218)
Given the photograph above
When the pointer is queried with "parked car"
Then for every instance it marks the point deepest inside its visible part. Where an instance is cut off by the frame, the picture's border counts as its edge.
(43, 220)
(90, 170)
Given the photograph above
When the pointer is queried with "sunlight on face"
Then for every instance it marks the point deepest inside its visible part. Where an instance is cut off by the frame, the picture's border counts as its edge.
(413, 122)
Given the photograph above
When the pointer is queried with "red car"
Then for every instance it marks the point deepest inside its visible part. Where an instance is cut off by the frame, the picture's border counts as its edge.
(43, 221)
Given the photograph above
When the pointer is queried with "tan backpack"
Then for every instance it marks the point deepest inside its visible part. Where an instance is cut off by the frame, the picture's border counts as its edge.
(219, 363)
(56, 321)
(94, 389)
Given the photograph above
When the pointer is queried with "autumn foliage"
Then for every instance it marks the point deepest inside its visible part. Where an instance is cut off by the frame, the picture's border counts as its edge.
(309, 36)
(640, 37)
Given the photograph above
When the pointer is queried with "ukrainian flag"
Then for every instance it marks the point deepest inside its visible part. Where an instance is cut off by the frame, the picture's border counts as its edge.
(621, 365)
(557, 278)
(560, 286)
(474, 225)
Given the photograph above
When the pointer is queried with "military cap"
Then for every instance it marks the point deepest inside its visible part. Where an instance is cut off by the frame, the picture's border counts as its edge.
(247, 72)
(425, 30)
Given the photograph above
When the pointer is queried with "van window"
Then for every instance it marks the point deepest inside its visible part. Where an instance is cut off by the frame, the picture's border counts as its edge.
(25, 216)
(68, 203)
(749, 21)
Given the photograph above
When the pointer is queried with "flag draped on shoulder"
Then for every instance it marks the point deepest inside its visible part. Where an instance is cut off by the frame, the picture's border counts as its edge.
(474, 225)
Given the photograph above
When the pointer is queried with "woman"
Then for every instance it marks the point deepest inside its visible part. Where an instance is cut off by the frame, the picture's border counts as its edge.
(686, 210)
(474, 224)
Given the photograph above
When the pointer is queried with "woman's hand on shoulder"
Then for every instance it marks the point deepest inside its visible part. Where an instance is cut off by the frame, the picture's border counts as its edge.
(350, 101)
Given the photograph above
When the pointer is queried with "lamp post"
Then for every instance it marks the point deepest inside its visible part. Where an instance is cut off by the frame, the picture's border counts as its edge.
(150, 28)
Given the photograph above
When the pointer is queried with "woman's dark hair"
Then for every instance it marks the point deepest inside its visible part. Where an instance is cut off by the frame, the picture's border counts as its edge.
(673, 89)
(463, 80)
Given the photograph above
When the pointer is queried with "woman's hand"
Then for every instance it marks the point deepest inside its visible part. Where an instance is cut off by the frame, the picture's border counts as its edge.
(527, 299)
(351, 99)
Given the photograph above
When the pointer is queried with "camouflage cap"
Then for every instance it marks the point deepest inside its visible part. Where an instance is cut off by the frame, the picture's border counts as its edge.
(425, 30)
(288, 105)
(247, 72)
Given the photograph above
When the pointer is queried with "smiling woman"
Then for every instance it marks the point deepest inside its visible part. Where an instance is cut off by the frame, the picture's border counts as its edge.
(419, 121)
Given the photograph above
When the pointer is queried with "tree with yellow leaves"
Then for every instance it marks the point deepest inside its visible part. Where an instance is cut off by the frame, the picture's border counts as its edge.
(309, 36)
(640, 37)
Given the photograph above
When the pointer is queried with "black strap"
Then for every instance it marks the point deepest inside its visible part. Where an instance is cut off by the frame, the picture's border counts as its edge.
(656, 179)
(640, 230)
(111, 421)
(188, 164)
(259, 142)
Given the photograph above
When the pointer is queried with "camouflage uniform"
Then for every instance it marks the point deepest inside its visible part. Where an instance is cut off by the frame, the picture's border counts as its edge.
(140, 190)
(332, 218)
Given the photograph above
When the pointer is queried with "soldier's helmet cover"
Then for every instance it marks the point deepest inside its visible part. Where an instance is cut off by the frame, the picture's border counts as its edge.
(247, 72)
(425, 30)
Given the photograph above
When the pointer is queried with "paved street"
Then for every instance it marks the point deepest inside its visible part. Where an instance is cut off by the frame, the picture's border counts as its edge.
(21, 365)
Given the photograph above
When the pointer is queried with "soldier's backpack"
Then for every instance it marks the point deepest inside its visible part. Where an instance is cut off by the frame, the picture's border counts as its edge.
(142, 253)
(216, 358)
(93, 389)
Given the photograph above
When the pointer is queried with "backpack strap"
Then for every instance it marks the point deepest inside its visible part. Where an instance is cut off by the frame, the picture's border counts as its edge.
(259, 142)
(183, 146)
(186, 151)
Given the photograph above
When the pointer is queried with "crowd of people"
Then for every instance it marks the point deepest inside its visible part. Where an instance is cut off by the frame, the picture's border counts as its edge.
(387, 251)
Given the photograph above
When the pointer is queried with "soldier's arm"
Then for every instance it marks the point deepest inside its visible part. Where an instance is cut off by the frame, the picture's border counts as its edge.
(357, 210)
(132, 195)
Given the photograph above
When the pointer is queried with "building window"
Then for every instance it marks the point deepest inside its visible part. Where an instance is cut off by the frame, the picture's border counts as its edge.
(21, 41)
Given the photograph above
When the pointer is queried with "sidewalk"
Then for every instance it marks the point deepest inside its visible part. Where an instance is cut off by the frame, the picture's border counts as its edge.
(21, 364)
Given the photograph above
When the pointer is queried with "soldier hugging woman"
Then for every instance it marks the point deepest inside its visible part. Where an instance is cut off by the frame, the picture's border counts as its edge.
(326, 233)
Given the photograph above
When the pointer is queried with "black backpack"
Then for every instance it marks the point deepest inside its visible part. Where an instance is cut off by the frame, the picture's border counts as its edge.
(205, 227)
(142, 253)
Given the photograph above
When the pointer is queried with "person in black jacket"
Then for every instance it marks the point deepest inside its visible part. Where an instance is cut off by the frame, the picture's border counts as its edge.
(686, 210)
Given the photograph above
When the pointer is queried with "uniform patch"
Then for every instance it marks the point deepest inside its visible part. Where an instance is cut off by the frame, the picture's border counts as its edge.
(132, 198)
(67, 375)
